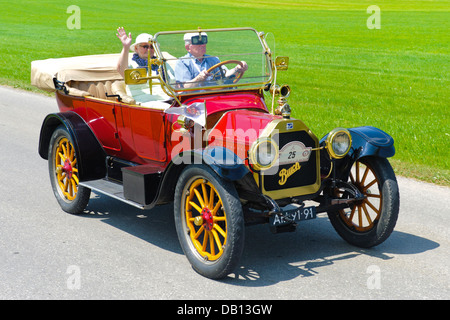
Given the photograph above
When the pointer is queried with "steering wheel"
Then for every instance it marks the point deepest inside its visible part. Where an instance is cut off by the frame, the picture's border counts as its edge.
(237, 78)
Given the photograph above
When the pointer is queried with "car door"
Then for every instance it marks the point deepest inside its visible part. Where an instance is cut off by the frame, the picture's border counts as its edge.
(148, 133)
(101, 117)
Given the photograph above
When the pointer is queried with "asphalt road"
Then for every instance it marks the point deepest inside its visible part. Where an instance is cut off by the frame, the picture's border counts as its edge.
(114, 251)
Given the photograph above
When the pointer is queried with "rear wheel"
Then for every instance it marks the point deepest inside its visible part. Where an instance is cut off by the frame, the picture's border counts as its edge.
(369, 222)
(64, 175)
(209, 221)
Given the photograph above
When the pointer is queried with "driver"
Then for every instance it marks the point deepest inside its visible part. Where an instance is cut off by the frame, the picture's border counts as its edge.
(193, 67)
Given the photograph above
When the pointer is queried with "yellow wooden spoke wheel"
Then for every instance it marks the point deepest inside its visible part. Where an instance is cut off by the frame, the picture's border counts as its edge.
(209, 221)
(66, 169)
(64, 173)
(206, 219)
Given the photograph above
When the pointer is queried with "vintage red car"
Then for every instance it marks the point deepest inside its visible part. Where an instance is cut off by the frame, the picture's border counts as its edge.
(224, 150)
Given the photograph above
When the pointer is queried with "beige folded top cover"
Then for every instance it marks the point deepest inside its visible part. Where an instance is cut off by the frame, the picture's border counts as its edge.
(102, 67)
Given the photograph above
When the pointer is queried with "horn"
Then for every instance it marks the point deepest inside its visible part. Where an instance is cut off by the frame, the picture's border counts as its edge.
(283, 90)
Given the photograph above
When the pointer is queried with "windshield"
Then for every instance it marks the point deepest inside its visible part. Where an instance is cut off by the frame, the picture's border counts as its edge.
(213, 59)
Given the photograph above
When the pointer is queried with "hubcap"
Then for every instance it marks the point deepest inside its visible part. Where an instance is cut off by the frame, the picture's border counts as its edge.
(207, 218)
(67, 168)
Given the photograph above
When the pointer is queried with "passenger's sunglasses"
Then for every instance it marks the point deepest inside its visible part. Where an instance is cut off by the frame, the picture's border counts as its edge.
(146, 46)
(197, 40)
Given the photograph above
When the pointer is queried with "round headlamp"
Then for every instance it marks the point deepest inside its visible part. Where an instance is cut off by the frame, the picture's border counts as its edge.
(263, 153)
(338, 143)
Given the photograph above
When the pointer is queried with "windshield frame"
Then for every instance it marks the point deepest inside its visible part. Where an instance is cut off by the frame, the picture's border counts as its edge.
(173, 90)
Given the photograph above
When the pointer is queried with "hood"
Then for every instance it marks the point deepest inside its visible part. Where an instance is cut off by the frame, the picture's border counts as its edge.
(239, 128)
(218, 103)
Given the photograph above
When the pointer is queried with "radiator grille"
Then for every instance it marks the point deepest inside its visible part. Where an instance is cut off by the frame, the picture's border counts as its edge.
(306, 175)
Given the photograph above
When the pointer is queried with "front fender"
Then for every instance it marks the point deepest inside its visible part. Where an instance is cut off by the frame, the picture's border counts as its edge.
(366, 141)
(91, 156)
(223, 161)
(369, 141)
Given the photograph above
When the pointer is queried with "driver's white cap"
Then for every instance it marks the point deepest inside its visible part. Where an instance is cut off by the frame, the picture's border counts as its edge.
(188, 36)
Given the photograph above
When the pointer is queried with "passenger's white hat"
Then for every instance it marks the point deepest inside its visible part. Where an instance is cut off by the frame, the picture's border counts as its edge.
(142, 38)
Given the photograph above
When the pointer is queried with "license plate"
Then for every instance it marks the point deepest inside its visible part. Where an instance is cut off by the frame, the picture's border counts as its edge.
(299, 214)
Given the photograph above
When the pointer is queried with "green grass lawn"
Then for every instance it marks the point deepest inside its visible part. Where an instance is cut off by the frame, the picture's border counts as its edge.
(341, 73)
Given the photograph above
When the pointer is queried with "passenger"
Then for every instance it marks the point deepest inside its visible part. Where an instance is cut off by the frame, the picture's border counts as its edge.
(142, 50)
(193, 67)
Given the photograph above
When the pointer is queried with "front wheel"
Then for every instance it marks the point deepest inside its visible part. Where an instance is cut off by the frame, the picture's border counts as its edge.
(369, 222)
(209, 221)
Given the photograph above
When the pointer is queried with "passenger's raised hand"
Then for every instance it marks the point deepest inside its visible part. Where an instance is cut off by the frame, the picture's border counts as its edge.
(122, 35)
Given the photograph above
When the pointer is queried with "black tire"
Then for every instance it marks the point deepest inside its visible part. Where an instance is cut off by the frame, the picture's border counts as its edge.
(211, 234)
(63, 170)
(369, 222)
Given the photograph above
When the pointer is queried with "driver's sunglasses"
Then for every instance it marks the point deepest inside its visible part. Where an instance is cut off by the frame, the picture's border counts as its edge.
(197, 40)
(146, 46)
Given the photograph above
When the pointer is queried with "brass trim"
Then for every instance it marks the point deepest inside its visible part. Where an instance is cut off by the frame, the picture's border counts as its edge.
(281, 126)
(252, 153)
(329, 142)
(282, 63)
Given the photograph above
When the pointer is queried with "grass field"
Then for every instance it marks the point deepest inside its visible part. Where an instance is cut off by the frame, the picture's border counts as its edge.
(341, 72)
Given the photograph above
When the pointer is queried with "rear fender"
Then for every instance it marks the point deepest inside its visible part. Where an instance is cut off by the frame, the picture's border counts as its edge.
(92, 157)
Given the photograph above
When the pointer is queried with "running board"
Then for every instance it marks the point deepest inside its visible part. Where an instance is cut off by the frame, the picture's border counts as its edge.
(113, 190)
